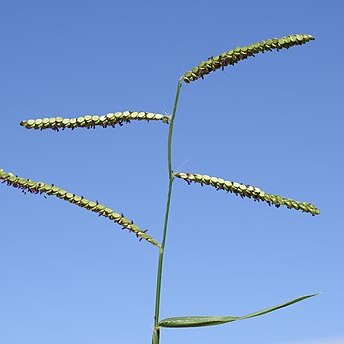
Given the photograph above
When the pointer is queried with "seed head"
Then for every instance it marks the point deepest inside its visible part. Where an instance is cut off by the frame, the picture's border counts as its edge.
(247, 191)
(232, 57)
(88, 121)
(52, 190)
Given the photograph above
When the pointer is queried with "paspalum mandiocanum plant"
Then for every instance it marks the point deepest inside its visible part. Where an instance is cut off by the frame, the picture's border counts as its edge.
(230, 57)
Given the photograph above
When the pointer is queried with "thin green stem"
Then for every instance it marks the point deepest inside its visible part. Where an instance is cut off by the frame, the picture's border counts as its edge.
(156, 330)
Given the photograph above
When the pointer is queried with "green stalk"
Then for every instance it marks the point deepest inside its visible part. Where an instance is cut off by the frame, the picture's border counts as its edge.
(156, 330)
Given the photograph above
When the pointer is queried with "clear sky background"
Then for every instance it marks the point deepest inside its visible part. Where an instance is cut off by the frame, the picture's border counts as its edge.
(274, 121)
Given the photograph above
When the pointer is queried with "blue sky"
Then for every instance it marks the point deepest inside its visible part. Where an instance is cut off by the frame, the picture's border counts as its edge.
(273, 121)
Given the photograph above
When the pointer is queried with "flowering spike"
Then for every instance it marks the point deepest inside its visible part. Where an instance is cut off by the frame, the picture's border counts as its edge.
(52, 190)
(248, 191)
(111, 119)
(232, 57)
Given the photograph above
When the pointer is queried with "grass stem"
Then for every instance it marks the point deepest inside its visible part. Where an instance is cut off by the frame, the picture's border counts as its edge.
(156, 330)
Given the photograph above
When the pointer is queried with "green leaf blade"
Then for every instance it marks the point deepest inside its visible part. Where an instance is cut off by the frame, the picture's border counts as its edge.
(200, 321)
(274, 308)
(196, 321)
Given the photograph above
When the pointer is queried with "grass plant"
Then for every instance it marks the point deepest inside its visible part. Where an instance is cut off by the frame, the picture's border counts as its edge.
(212, 64)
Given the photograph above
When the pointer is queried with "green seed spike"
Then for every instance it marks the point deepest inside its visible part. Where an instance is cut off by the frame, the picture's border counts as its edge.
(111, 119)
(241, 53)
(248, 191)
(40, 187)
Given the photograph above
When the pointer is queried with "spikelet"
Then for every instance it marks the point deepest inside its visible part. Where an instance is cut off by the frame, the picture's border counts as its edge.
(232, 57)
(41, 188)
(111, 119)
(248, 191)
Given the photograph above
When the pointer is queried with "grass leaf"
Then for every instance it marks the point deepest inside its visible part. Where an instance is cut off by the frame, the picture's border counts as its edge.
(200, 321)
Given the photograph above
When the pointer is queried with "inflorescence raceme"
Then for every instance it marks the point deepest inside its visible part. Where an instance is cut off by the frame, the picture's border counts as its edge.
(111, 119)
(232, 57)
(41, 188)
(247, 191)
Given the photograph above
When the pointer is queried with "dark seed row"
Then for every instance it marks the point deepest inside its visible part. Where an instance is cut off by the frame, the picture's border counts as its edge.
(31, 186)
(232, 57)
(248, 191)
(111, 119)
